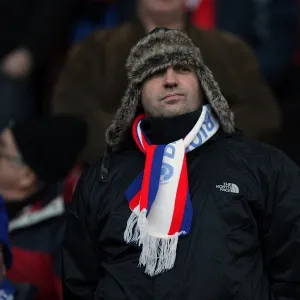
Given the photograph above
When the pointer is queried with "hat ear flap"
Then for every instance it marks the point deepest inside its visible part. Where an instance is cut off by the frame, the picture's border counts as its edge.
(124, 116)
(215, 98)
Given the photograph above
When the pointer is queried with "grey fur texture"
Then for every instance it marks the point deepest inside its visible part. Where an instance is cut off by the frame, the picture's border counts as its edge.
(160, 49)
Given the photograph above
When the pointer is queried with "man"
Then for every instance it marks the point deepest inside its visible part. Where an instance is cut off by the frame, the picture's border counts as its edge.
(93, 81)
(38, 152)
(35, 158)
(182, 206)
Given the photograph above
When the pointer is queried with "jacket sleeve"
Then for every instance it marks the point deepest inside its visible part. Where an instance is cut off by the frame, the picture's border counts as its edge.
(4, 236)
(281, 237)
(81, 260)
(256, 110)
(80, 91)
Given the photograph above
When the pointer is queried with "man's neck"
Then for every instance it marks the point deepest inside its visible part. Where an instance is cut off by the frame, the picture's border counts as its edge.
(150, 21)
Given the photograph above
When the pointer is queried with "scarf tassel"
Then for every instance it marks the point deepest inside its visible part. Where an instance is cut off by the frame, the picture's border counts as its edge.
(158, 253)
(132, 233)
(137, 227)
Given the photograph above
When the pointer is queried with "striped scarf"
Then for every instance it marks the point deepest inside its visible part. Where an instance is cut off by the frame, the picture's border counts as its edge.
(159, 197)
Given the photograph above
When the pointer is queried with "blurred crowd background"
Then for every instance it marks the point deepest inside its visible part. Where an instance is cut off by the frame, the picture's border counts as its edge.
(64, 57)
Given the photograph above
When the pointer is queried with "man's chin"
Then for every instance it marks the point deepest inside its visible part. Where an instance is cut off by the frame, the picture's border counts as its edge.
(170, 113)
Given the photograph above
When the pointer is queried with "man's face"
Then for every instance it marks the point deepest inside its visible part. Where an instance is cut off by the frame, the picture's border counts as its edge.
(162, 6)
(173, 92)
(17, 181)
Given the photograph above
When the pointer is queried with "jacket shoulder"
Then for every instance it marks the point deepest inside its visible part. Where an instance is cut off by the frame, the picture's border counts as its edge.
(122, 168)
(256, 154)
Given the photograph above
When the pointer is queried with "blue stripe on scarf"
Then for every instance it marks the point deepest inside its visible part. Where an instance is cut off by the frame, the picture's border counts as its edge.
(188, 215)
(135, 187)
(155, 174)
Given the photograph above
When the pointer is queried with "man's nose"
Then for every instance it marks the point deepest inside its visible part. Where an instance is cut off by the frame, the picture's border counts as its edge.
(170, 78)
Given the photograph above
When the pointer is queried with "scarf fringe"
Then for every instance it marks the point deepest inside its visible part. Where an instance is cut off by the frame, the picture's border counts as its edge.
(158, 254)
(142, 225)
(137, 227)
(132, 232)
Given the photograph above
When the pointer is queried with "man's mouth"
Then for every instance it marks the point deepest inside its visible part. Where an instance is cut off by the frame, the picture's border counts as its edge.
(172, 97)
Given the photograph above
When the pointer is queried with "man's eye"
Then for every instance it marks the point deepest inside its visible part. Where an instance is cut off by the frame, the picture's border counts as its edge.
(158, 73)
(183, 69)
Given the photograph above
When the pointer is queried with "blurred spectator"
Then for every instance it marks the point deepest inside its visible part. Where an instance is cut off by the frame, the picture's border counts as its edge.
(289, 93)
(6, 289)
(34, 156)
(89, 16)
(269, 27)
(30, 32)
(94, 78)
(100, 14)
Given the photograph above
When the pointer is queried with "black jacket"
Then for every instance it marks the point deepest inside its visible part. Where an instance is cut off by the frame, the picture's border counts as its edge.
(244, 242)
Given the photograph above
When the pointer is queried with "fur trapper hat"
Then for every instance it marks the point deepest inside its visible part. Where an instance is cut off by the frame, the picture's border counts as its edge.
(160, 49)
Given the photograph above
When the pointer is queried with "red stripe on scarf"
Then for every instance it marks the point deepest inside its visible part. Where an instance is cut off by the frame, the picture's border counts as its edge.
(135, 201)
(146, 179)
(181, 198)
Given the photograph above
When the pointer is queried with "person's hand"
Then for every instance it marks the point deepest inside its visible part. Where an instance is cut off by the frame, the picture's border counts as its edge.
(2, 265)
(17, 64)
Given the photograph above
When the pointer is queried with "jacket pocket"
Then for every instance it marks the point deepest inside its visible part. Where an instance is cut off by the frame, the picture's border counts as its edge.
(234, 213)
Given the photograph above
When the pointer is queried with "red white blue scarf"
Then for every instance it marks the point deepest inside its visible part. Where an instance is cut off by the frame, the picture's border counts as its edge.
(159, 197)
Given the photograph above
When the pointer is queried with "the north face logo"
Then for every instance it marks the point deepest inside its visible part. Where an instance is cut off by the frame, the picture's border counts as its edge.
(228, 188)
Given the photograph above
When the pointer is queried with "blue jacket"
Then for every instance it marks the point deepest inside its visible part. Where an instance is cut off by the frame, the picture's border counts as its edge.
(4, 236)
